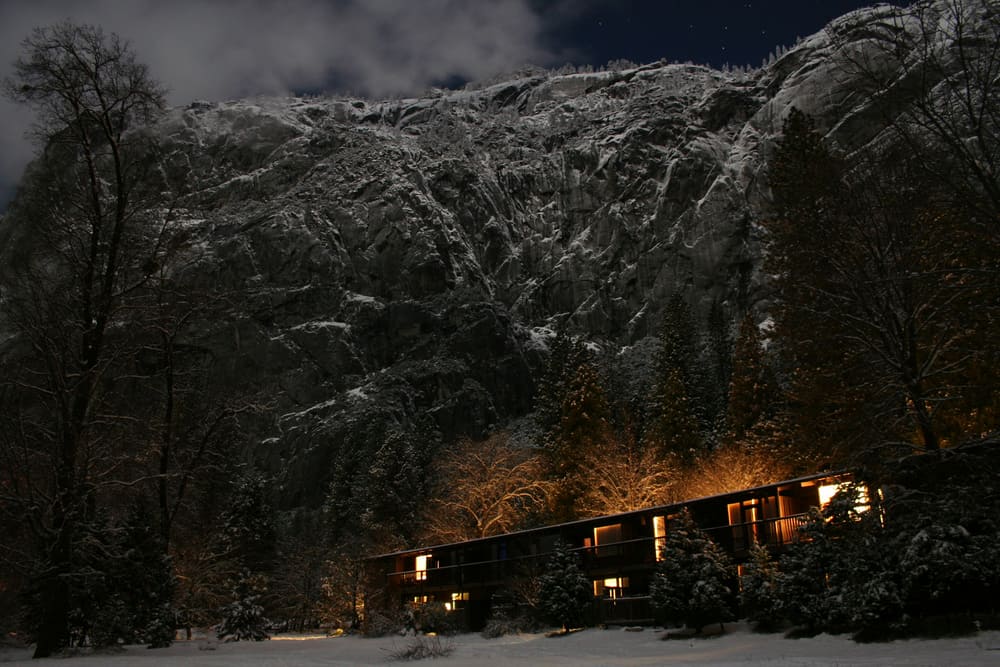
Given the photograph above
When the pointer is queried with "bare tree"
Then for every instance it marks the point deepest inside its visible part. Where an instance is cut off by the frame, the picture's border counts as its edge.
(85, 235)
(623, 476)
(735, 466)
(486, 488)
(882, 325)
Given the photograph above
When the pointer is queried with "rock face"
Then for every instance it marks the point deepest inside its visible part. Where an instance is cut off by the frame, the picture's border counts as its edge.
(411, 257)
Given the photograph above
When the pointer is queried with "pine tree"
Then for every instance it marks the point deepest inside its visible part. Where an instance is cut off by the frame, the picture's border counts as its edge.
(396, 485)
(672, 426)
(690, 583)
(825, 577)
(584, 428)
(566, 355)
(759, 601)
(249, 535)
(753, 390)
(721, 349)
(145, 581)
(243, 618)
(564, 592)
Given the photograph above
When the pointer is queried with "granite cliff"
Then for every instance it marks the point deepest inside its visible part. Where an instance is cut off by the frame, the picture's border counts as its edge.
(411, 257)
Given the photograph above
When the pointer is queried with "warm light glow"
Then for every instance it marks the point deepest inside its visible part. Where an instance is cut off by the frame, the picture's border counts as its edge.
(421, 567)
(604, 535)
(828, 491)
(448, 606)
(459, 596)
(612, 588)
(659, 535)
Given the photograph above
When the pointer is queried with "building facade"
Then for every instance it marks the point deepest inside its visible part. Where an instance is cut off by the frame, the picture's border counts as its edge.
(618, 553)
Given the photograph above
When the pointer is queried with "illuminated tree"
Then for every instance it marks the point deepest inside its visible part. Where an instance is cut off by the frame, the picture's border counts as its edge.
(734, 466)
(625, 476)
(485, 488)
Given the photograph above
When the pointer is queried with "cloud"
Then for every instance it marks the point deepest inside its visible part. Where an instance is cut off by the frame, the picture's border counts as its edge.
(224, 49)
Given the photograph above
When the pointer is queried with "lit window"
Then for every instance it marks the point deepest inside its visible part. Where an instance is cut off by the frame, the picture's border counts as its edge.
(613, 587)
(421, 568)
(608, 535)
(659, 535)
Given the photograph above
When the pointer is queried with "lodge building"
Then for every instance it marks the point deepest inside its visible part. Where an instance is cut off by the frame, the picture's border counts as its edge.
(617, 552)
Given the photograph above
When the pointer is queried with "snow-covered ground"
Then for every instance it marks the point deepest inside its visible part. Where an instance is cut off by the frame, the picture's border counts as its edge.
(589, 647)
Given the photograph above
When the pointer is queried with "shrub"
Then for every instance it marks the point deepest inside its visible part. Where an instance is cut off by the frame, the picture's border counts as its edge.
(433, 617)
(421, 647)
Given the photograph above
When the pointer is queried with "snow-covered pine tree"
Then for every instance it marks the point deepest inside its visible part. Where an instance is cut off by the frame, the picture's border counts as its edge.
(690, 586)
(758, 589)
(564, 592)
(248, 543)
(840, 574)
(243, 618)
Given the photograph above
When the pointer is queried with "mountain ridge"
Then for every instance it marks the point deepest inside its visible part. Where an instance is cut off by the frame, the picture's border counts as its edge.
(407, 259)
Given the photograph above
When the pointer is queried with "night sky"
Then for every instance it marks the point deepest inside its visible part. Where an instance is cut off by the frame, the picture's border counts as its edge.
(238, 48)
(713, 32)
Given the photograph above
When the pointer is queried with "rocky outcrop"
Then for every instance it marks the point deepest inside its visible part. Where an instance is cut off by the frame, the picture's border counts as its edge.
(411, 257)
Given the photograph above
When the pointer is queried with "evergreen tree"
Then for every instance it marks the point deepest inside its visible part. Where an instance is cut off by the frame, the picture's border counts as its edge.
(690, 583)
(396, 486)
(759, 601)
(721, 350)
(145, 582)
(248, 534)
(672, 425)
(564, 592)
(243, 618)
(566, 355)
(584, 428)
(753, 390)
(836, 575)
(249, 542)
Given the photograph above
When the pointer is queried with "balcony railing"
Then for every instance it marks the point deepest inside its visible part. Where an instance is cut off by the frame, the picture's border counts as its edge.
(735, 538)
